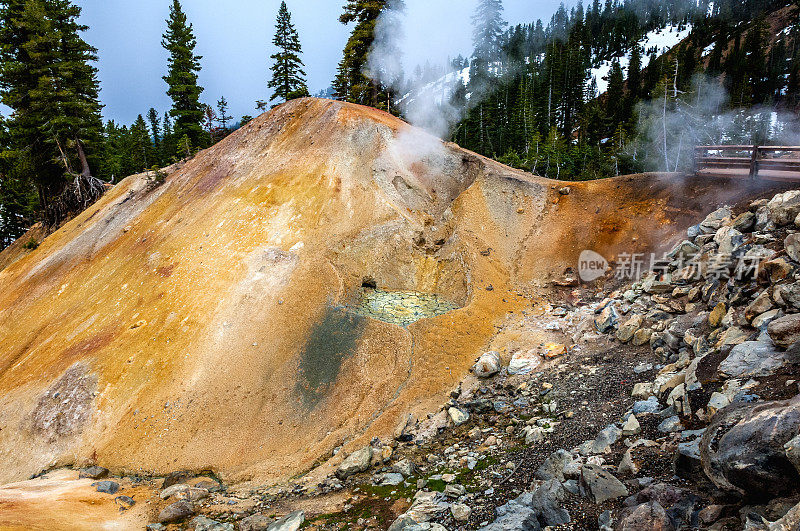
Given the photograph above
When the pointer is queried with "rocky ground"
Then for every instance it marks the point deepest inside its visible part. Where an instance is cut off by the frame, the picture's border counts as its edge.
(669, 403)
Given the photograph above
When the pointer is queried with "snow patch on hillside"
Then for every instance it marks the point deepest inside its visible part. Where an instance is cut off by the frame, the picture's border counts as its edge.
(661, 40)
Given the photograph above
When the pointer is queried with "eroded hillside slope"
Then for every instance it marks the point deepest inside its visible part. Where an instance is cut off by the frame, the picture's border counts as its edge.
(203, 323)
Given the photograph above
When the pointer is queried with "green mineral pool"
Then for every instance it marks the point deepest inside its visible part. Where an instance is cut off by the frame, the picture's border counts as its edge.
(401, 307)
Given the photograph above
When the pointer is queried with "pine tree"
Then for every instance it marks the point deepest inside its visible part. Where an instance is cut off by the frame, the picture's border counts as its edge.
(183, 68)
(351, 83)
(288, 77)
(141, 146)
(222, 116)
(47, 79)
(488, 27)
(155, 130)
(614, 95)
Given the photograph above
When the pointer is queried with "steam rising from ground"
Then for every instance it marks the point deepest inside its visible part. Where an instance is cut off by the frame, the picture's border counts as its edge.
(422, 104)
(673, 123)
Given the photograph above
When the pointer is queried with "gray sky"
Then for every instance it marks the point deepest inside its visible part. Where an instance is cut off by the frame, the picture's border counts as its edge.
(234, 38)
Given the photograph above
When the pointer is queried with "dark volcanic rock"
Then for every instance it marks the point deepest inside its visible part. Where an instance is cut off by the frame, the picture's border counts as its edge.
(93, 472)
(176, 512)
(649, 516)
(109, 487)
(743, 448)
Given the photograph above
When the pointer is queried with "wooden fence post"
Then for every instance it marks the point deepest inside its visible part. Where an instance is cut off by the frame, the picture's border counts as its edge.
(754, 163)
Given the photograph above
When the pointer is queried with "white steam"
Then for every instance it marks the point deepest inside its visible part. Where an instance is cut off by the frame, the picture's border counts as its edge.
(423, 104)
(673, 123)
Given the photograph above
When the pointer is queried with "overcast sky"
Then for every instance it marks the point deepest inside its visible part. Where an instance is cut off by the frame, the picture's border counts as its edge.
(234, 38)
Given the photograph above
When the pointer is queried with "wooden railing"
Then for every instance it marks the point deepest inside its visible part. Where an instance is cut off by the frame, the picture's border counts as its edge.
(780, 163)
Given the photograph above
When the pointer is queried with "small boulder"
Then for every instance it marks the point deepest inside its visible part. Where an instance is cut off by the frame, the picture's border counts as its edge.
(547, 499)
(728, 239)
(716, 219)
(649, 516)
(405, 467)
(107, 487)
(524, 362)
(607, 437)
(762, 303)
(460, 512)
(487, 365)
(785, 330)
(628, 329)
(391, 479)
(742, 450)
(631, 426)
(607, 319)
(752, 358)
(641, 337)
(792, 449)
(124, 502)
(175, 512)
(670, 425)
(256, 522)
(93, 472)
(201, 523)
(784, 208)
(458, 416)
(291, 522)
(715, 317)
(642, 390)
(553, 467)
(792, 246)
(600, 484)
(358, 461)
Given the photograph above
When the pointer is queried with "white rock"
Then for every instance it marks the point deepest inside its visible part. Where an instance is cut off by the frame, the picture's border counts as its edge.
(487, 365)
(458, 416)
(524, 362)
(460, 512)
(631, 426)
(642, 390)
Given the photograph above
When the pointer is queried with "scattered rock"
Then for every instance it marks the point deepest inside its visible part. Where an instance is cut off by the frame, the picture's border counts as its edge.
(107, 487)
(291, 522)
(458, 416)
(176, 477)
(524, 362)
(600, 484)
(358, 461)
(631, 426)
(649, 516)
(124, 502)
(460, 512)
(93, 472)
(671, 424)
(256, 522)
(742, 449)
(201, 523)
(176, 512)
(608, 436)
(785, 330)
(391, 479)
(487, 365)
